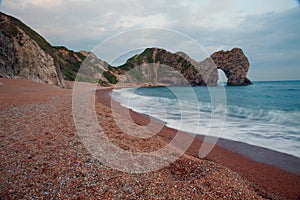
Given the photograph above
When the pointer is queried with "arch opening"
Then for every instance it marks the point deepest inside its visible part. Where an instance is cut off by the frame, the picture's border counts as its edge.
(222, 78)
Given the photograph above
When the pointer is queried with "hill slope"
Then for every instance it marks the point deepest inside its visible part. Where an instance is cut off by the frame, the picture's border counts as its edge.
(26, 54)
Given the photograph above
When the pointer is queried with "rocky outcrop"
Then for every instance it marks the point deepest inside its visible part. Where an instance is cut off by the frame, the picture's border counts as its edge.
(25, 54)
(7, 56)
(147, 68)
(235, 65)
(157, 66)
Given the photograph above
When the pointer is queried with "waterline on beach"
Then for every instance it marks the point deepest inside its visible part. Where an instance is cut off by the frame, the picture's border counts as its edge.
(266, 114)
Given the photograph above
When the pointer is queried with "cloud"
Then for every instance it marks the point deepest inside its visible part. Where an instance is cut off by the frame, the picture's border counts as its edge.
(94, 18)
(267, 31)
(275, 45)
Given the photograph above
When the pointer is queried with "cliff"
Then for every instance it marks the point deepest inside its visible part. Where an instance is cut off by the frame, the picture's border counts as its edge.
(159, 67)
(27, 55)
(147, 68)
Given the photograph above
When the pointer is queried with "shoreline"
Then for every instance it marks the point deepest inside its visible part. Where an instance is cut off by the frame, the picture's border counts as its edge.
(264, 155)
(263, 167)
(42, 155)
(261, 154)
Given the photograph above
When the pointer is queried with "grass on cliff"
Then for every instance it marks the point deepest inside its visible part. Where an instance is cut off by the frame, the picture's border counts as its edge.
(110, 77)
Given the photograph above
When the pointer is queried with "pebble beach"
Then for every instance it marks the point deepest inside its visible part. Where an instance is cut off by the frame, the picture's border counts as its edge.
(42, 157)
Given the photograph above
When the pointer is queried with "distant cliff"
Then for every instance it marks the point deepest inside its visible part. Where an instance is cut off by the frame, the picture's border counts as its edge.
(25, 54)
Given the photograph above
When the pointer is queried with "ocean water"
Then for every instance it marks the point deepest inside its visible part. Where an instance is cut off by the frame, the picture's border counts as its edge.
(265, 114)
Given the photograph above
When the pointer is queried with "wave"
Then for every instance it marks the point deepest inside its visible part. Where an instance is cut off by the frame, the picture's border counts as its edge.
(272, 128)
(188, 108)
(265, 115)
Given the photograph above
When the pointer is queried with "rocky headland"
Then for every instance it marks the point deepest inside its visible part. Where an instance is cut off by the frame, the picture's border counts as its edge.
(149, 67)
(26, 54)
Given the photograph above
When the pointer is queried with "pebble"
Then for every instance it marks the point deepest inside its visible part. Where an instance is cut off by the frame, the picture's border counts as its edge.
(124, 188)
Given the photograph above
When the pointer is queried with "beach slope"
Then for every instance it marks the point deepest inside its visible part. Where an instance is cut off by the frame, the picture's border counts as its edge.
(43, 157)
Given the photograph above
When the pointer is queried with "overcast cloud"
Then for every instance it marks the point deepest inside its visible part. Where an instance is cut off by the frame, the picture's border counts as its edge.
(268, 31)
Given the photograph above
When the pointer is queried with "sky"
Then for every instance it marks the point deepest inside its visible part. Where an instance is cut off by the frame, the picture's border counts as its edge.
(268, 31)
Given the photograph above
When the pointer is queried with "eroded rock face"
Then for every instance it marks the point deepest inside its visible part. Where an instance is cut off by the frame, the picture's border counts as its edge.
(149, 66)
(25, 54)
(32, 62)
(235, 65)
(7, 56)
(157, 66)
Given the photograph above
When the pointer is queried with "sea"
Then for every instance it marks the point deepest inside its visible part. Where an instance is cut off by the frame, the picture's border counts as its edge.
(265, 114)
